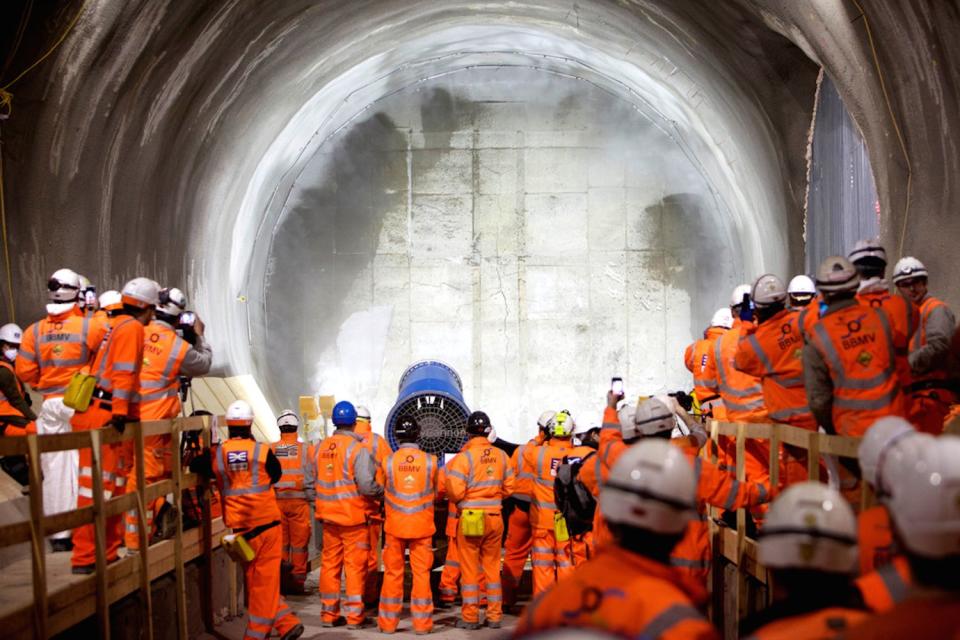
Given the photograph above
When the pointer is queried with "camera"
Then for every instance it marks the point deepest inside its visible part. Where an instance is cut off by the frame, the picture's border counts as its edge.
(186, 327)
(684, 399)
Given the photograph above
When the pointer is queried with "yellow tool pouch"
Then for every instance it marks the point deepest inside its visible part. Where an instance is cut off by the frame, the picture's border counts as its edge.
(471, 523)
(80, 391)
(238, 548)
(560, 527)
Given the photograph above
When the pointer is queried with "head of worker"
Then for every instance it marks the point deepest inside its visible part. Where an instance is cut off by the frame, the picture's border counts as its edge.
(800, 291)
(111, 302)
(925, 511)
(588, 436)
(653, 418)
(722, 318)
(881, 444)
(837, 279)
(288, 422)
(407, 430)
(478, 425)
(545, 423)
(809, 542)
(344, 416)
(870, 258)
(88, 295)
(140, 297)
(769, 296)
(739, 298)
(239, 419)
(63, 291)
(649, 498)
(10, 337)
(563, 426)
(910, 278)
(172, 303)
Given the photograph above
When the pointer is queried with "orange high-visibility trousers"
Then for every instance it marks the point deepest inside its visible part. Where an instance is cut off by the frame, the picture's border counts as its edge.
(450, 575)
(516, 549)
(480, 559)
(371, 586)
(929, 409)
(296, 528)
(552, 560)
(266, 610)
(344, 547)
(157, 461)
(391, 593)
(582, 548)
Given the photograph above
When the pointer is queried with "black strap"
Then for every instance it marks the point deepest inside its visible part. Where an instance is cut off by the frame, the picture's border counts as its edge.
(250, 534)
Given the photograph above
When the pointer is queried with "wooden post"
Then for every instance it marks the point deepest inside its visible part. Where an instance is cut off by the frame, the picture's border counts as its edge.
(206, 533)
(813, 457)
(100, 534)
(178, 538)
(742, 603)
(38, 541)
(774, 484)
(143, 530)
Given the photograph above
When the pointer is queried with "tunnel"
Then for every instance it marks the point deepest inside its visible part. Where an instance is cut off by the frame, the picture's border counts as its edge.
(542, 194)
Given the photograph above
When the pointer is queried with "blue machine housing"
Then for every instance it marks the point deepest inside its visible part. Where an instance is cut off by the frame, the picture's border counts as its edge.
(431, 392)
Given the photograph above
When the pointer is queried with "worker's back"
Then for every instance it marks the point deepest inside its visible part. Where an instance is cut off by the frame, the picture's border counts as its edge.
(409, 492)
(742, 393)
(240, 467)
(338, 497)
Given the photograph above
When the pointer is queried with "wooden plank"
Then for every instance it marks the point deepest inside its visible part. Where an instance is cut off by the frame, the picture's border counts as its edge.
(206, 569)
(839, 446)
(813, 456)
(67, 520)
(742, 585)
(179, 570)
(13, 447)
(38, 544)
(119, 505)
(100, 535)
(795, 437)
(775, 454)
(143, 529)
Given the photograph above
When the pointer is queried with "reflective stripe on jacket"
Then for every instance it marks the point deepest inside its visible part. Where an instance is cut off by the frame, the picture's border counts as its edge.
(55, 348)
(742, 394)
(239, 465)
(297, 480)
(701, 362)
(903, 317)
(163, 353)
(542, 463)
(480, 476)
(409, 492)
(338, 497)
(117, 365)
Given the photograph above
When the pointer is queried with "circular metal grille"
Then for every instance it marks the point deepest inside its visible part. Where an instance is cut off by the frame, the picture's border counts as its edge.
(442, 423)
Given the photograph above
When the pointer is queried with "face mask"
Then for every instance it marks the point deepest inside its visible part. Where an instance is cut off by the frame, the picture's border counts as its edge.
(10, 354)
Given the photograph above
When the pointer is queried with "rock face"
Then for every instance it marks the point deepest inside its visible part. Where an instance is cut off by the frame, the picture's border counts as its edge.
(544, 194)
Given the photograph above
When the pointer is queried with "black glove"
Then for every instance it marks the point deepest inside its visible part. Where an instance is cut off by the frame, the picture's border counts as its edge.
(119, 423)
(746, 309)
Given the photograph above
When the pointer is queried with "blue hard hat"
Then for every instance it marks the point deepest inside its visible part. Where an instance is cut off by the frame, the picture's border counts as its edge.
(344, 413)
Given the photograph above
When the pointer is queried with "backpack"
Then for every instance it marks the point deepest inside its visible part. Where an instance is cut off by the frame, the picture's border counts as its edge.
(574, 501)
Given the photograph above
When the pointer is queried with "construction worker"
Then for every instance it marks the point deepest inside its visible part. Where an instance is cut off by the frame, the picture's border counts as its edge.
(800, 292)
(166, 358)
(588, 436)
(246, 471)
(16, 416)
(884, 572)
(110, 304)
(87, 300)
(53, 349)
(519, 540)
(926, 524)
(849, 364)
(478, 479)
(700, 361)
(809, 544)
(348, 480)
(295, 492)
(870, 259)
(553, 549)
(629, 588)
(409, 492)
(380, 450)
(931, 391)
(116, 401)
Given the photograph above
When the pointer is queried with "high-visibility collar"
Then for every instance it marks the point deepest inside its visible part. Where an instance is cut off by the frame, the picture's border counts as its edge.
(343, 432)
(60, 311)
(837, 306)
(871, 285)
(408, 445)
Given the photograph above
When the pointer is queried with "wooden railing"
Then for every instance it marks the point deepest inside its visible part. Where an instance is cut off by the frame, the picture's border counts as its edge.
(734, 546)
(109, 584)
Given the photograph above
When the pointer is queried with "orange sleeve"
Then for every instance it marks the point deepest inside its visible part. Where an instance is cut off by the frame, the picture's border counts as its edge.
(124, 360)
(611, 421)
(456, 483)
(688, 357)
(745, 359)
(28, 360)
(708, 372)
(509, 477)
(441, 484)
(721, 489)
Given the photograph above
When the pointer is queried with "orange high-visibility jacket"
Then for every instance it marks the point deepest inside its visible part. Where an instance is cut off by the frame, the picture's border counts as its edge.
(856, 344)
(117, 366)
(240, 467)
(163, 353)
(380, 450)
(297, 481)
(919, 340)
(825, 623)
(700, 361)
(409, 492)
(523, 488)
(480, 476)
(541, 463)
(335, 464)
(904, 319)
(597, 469)
(623, 594)
(874, 537)
(773, 352)
(7, 408)
(887, 586)
(55, 348)
(742, 394)
(916, 618)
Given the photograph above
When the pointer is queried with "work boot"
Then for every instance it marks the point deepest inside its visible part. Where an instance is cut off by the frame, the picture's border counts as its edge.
(469, 626)
(59, 545)
(358, 625)
(293, 634)
(339, 622)
(388, 631)
(84, 569)
(443, 604)
(494, 624)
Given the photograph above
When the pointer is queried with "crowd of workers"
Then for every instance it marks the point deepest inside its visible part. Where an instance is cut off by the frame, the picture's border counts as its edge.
(614, 522)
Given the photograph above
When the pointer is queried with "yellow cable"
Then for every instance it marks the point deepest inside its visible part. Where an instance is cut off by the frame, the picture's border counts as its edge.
(893, 119)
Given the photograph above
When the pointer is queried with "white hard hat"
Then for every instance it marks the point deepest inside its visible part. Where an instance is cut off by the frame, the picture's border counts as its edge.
(924, 506)
(141, 293)
(801, 285)
(768, 290)
(363, 413)
(650, 418)
(63, 286)
(908, 268)
(868, 249)
(651, 486)
(239, 414)
(722, 318)
(11, 333)
(111, 300)
(563, 425)
(837, 274)
(288, 419)
(810, 526)
(881, 435)
(172, 301)
(736, 298)
(84, 282)
(545, 421)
